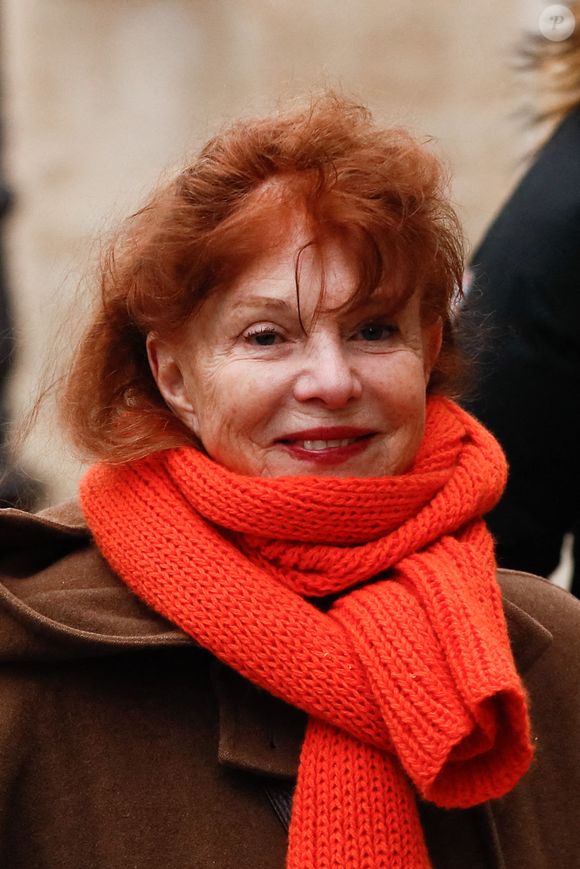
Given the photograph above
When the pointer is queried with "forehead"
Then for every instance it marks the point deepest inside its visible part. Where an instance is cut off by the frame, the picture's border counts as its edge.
(315, 272)
(300, 265)
(298, 279)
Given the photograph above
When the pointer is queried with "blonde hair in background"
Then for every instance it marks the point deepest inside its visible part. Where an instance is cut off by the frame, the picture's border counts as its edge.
(553, 68)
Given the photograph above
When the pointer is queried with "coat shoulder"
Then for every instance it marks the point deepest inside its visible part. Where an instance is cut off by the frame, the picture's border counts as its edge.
(536, 822)
(555, 609)
(59, 596)
(63, 520)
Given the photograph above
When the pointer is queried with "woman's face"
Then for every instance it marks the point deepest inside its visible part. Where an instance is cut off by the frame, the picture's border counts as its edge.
(345, 396)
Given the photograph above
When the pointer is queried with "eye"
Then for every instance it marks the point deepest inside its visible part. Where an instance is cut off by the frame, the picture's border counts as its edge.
(263, 336)
(375, 332)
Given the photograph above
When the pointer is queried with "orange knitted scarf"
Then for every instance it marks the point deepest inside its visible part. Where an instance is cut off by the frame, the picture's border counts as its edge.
(407, 677)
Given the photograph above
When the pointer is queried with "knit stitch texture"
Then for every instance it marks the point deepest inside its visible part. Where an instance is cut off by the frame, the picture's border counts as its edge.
(407, 675)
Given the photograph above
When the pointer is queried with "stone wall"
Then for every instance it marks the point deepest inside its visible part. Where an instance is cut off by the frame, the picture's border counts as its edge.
(101, 95)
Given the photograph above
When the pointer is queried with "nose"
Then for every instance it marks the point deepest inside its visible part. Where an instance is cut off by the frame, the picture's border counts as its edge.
(327, 374)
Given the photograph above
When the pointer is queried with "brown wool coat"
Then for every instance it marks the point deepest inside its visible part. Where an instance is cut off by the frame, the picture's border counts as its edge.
(123, 745)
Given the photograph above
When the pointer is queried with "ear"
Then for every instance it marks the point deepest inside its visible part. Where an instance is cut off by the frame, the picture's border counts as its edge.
(432, 341)
(167, 372)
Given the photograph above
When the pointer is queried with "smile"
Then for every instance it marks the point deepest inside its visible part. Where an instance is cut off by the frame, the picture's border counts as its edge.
(329, 445)
(324, 445)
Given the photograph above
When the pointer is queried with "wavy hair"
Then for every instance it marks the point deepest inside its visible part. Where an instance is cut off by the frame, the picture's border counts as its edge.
(379, 191)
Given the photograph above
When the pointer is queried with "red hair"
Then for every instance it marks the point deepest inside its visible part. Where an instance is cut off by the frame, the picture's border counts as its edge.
(379, 191)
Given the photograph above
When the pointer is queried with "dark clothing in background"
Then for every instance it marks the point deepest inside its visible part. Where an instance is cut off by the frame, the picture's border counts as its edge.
(526, 290)
(6, 331)
(17, 488)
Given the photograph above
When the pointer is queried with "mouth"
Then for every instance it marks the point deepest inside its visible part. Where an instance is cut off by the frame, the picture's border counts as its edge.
(327, 445)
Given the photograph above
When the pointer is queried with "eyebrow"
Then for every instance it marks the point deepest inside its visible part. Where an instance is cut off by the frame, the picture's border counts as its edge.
(260, 302)
(367, 308)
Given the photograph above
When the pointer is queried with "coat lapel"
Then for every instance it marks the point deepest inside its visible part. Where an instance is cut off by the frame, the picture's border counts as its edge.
(257, 732)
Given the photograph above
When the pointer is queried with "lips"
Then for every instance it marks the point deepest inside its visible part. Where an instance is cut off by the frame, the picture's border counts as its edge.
(328, 445)
(327, 433)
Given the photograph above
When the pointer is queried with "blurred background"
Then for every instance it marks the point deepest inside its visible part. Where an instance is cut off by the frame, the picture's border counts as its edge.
(100, 97)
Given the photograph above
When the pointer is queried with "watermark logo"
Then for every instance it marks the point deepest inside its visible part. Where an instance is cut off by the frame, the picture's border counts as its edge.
(557, 22)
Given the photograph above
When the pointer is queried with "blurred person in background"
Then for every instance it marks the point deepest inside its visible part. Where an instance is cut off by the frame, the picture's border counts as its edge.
(17, 488)
(525, 288)
(273, 633)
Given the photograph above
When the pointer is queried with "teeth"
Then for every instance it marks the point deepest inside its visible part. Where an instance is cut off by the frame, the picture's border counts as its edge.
(325, 445)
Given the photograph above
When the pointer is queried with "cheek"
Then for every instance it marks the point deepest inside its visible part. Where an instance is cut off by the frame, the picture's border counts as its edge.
(405, 404)
(229, 404)
(404, 388)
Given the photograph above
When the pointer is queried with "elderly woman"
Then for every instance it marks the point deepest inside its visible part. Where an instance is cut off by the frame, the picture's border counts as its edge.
(279, 637)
